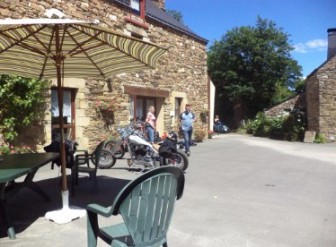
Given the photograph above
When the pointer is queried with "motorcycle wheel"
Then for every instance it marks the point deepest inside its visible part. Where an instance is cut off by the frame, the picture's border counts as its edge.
(107, 159)
(119, 153)
(178, 159)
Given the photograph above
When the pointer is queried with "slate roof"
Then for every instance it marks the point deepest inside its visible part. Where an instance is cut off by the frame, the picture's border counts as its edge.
(155, 13)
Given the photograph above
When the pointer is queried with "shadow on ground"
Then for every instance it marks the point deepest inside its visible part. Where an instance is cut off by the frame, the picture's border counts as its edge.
(26, 206)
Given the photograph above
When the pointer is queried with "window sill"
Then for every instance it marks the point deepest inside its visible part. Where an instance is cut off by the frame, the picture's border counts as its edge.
(137, 21)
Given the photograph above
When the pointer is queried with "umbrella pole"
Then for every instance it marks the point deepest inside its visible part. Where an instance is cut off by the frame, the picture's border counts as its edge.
(66, 214)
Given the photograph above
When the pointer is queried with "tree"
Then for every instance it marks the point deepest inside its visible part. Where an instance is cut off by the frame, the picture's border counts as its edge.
(22, 102)
(252, 66)
(176, 14)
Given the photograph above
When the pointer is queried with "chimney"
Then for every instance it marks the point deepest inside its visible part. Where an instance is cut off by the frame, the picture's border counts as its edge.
(331, 43)
(160, 3)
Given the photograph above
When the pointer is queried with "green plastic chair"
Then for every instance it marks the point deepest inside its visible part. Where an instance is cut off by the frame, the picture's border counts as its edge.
(86, 163)
(146, 205)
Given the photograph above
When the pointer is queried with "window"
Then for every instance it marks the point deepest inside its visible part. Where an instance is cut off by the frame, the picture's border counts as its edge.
(178, 110)
(138, 7)
(142, 105)
(178, 102)
(135, 4)
(68, 114)
(137, 16)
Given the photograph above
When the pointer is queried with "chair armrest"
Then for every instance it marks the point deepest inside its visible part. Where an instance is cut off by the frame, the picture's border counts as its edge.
(81, 151)
(104, 211)
(81, 159)
(83, 156)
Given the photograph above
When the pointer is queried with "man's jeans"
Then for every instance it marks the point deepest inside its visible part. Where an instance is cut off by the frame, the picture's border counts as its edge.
(187, 134)
(150, 132)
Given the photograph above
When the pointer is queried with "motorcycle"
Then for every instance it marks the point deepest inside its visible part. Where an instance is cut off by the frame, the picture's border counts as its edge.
(145, 156)
(180, 144)
(120, 149)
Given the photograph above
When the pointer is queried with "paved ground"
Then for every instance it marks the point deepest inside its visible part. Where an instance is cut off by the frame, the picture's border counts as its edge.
(240, 191)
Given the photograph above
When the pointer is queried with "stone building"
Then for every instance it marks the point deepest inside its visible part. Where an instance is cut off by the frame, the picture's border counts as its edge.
(319, 99)
(295, 102)
(180, 76)
(321, 93)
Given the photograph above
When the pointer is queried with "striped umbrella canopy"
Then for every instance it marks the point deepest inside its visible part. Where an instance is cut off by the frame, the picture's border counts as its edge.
(59, 48)
(34, 47)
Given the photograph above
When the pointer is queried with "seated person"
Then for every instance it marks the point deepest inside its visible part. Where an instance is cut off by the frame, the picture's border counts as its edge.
(217, 121)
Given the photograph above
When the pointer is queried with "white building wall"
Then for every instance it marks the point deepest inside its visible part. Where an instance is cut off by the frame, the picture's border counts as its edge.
(212, 93)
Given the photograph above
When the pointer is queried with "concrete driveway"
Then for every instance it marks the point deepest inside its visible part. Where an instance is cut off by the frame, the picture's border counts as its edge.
(240, 191)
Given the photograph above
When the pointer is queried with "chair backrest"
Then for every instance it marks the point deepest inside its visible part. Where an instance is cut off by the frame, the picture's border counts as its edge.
(147, 204)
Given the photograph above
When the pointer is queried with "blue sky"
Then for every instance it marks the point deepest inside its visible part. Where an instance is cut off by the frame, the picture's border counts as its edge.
(306, 21)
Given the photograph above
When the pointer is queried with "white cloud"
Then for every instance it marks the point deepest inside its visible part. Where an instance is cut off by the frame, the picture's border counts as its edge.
(311, 46)
(300, 48)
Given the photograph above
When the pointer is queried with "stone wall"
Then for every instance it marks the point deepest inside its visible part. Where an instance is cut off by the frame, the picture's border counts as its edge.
(326, 77)
(182, 70)
(321, 100)
(312, 99)
(296, 102)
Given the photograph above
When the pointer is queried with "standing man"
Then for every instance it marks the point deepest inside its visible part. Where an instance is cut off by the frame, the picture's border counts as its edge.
(187, 119)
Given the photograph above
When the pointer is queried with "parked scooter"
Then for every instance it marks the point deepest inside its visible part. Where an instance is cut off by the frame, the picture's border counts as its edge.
(143, 155)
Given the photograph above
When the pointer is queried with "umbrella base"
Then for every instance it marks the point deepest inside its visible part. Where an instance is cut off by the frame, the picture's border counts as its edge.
(66, 214)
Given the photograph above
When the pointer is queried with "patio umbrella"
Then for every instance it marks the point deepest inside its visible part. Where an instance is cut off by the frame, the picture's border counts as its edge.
(59, 48)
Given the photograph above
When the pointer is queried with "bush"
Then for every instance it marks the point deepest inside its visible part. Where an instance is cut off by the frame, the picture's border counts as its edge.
(294, 126)
(289, 127)
(22, 102)
(260, 126)
(320, 138)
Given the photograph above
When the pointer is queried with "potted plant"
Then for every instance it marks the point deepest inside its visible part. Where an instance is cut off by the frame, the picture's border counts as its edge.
(210, 134)
(10, 149)
(199, 135)
(105, 105)
(105, 109)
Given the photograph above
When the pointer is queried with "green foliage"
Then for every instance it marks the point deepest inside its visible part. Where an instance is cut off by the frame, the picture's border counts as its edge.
(176, 14)
(289, 127)
(281, 94)
(300, 86)
(22, 102)
(320, 138)
(254, 65)
(295, 126)
(7, 149)
(260, 126)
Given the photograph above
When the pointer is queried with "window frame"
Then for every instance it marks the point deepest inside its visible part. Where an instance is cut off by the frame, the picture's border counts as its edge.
(144, 107)
(138, 17)
(71, 127)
